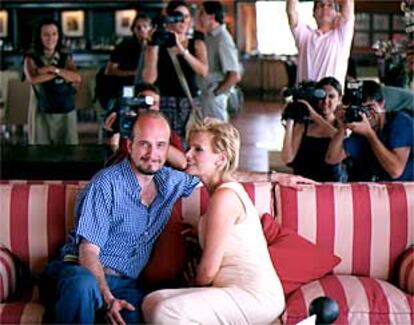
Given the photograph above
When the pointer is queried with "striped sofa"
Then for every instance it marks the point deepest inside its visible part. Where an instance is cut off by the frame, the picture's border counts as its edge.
(367, 225)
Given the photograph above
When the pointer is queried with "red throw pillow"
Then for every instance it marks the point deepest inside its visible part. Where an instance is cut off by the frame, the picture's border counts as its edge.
(169, 256)
(297, 261)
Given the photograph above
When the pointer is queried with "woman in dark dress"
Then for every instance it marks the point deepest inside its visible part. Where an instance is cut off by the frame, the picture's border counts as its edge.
(191, 54)
(306, 142)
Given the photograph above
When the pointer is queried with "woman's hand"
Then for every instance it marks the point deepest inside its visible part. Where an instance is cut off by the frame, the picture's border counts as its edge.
(312, 113)
(179, 48)
(109, 121)
(340, 116)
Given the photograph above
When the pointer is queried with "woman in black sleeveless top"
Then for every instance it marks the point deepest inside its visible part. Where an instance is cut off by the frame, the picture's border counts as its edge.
(53, 75)
(305, 143)
(191, 54)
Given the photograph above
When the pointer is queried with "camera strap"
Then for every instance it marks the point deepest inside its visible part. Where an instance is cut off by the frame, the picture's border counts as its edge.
(183, 82)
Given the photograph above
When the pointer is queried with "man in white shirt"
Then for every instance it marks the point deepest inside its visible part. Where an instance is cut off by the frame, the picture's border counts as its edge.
(323, 52)
(223, 63)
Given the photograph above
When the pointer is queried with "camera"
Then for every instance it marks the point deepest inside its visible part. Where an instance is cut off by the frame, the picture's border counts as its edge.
(353, 99)
(306, 90)
(161, 36)
(129, 106)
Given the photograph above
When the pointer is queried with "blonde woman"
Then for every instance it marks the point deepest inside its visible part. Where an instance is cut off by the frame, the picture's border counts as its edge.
(235, 281)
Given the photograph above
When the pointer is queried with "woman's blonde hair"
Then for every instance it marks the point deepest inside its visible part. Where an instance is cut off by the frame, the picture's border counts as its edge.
(226, 138)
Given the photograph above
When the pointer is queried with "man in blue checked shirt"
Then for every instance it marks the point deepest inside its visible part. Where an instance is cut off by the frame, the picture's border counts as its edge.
(120, 215)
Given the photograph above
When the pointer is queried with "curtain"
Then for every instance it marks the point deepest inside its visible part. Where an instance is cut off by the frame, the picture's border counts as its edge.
(246, 27)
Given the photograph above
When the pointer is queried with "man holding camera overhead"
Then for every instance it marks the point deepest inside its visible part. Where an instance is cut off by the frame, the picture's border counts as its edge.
(381, 145)
(323, 52)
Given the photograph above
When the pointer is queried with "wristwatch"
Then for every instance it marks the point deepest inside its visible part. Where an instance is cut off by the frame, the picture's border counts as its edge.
(57, 71)
(186, 52)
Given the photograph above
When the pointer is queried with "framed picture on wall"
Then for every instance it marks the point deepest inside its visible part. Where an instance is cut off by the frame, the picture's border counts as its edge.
(73, 23)
(362, 21)
(3, 23)
(398, 23)
(381, 22)
(361, 39)
(123, 22)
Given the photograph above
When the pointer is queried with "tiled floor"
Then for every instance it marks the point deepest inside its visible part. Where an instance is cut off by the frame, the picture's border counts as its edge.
(258, 123)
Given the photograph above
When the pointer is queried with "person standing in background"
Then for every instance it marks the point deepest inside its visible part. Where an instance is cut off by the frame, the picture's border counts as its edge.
(223, 63)
(128, 56)
(323, 52)
(191, 57)
(53, 75)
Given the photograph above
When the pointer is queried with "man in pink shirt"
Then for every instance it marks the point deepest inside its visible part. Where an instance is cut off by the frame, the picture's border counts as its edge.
(323, 52)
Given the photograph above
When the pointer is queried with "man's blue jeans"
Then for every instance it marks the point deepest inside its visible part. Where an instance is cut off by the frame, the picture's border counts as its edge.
(72, 294)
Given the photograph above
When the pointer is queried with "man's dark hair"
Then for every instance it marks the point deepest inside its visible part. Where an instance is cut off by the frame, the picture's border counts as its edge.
(37, 44)
(330, 81)
(335, 2)
(371, 90)
(214, 8)
(140, 16)
(172, 5)
(142, 86)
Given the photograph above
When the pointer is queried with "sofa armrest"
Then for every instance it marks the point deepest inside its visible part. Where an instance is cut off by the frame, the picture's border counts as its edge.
(405, 271)
(8, 274)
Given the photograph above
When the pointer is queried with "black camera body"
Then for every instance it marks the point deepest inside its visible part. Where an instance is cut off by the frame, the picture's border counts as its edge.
(306, 90)
(353, 99)
(129, 107)
(162, 37)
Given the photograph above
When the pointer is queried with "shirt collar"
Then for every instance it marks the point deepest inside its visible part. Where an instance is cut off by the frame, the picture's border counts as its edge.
(216, 30)
(132, 182)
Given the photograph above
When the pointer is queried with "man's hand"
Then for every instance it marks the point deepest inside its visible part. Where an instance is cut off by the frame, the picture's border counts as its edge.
(294, 181)
(363, 127)
(114, 308)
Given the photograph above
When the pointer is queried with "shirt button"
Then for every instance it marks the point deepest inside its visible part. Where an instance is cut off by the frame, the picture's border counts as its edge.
(146, 233)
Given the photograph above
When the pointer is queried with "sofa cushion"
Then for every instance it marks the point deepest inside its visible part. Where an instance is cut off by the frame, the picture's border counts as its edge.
(8, 274)
(405, 270)
(368, 225)
(21, 313)
(296, 260)
(165, 267)
(361, 300)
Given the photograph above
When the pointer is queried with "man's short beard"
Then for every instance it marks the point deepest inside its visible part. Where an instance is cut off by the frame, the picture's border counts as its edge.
(147, 172)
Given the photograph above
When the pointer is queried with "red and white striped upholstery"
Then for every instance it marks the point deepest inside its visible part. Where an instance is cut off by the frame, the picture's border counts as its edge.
(361, 300)
(8, 274)
(36, 216)
(261, 193)
(368, 226)
(406, 271)
(35, 220)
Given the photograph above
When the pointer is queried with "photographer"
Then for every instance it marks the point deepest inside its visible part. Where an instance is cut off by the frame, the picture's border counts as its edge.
(380, 147)
(308, 134)
(159, 68)
(175, 156)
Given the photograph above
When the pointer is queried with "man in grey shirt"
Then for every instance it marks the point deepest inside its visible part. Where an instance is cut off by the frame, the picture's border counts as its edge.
(223, 63)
